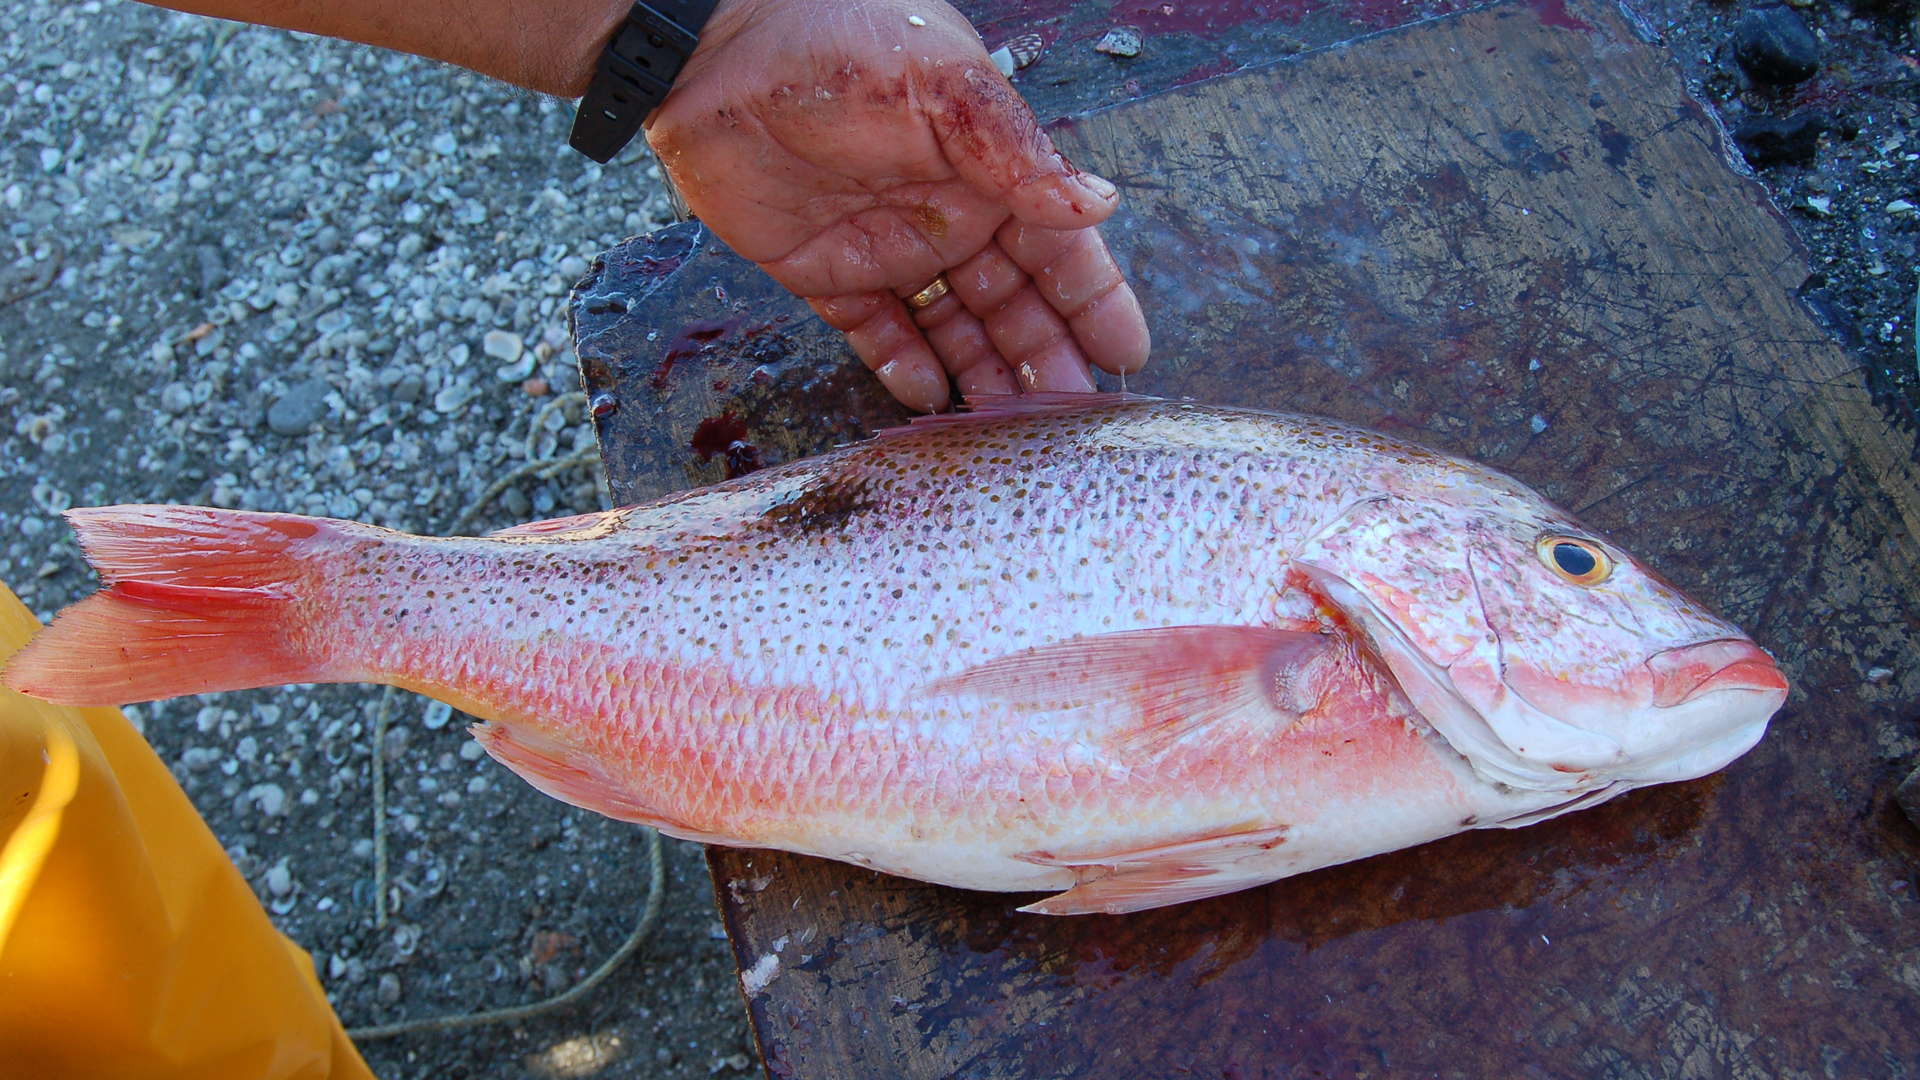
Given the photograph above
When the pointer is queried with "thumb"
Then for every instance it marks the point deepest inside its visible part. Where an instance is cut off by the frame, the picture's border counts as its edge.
(992, 140)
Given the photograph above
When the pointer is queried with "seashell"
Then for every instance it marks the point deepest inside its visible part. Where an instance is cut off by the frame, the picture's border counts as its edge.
(1025, 49)
(1122, 41)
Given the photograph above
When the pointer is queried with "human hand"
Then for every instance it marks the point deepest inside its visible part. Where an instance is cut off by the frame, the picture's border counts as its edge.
(857, 151)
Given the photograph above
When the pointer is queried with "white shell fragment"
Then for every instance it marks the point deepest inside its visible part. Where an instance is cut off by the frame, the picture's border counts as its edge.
(1121, 41)
(1003, 60)
(915, 20)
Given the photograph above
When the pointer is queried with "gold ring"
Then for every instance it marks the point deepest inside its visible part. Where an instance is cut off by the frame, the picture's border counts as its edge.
(935, 289)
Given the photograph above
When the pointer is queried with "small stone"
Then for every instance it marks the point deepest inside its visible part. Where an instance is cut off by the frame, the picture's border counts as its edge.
(574, 266)
(1538, 424)
(503, 345)
(1766, 141)
(368, 239)
(453, 398)
(472, 751)
(912, 20)
(389, 991)
(409, 389)
(1003, 59)
(363, 848)
(280, 879)
(336, 967)
(477, 785)
(445, 144)
(1774, 46)
(50, 158)
(535, 387)
(396, 743)
(438, 713)
(516, 503)
(176, 398)
(270, 798)
(327, 240)
(1123, 41)
(1820, 204)
(1908, 796)
(1902, 208)
(300, 408)
(287, 295)
(1879, 676)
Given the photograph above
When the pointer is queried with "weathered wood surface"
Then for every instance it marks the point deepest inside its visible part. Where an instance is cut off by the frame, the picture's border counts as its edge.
(1458, 231)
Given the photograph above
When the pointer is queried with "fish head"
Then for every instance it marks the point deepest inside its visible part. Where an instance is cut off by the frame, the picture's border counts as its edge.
(1551, 659)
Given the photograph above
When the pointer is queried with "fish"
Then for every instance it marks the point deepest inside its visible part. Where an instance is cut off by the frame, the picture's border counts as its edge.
(1124, 651)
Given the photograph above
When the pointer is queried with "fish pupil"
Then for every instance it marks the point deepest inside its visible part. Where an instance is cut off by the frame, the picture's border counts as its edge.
(1574, 560)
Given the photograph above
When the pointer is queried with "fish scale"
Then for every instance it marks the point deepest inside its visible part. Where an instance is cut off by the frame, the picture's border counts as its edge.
(1132, 651)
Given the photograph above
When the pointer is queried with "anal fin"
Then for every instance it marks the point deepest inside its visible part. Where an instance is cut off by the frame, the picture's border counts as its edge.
(571, 775)
(1113, 883)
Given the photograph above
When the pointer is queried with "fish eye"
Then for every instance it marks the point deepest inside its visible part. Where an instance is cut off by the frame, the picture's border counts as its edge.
(1578, 561)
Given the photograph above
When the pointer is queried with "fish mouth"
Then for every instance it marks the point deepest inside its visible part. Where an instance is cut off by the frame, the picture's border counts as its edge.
(1692, 672)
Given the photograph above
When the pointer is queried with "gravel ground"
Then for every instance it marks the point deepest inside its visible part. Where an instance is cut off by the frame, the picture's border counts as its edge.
(255, 269)
(252, 269)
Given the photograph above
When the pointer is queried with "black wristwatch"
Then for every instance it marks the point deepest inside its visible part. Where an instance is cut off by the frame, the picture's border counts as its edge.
(636, 70)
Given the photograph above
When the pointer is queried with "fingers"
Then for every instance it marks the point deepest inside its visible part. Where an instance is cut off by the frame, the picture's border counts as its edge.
(993, 141)
(1079, 280)
(961, 341)
(887, 341)
(1051, 301)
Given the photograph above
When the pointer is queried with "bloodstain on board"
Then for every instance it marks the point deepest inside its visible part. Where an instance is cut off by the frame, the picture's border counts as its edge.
(726, 435)
(697, 337)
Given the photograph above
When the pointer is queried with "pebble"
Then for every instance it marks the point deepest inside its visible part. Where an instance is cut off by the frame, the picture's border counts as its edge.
(176, 398)
(270, 798)
(1767, 141)
(1773, 46)
(299, 408)
(438, 713)
(1123, 41)
(1003, 59)
(279, 879)
(389, 991)
(409, 389)
(452, 398)
(503, 345)
(1908, 796)
(472, 751)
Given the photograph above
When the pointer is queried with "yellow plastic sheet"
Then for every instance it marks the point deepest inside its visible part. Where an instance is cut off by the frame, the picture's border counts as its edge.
(129, 944)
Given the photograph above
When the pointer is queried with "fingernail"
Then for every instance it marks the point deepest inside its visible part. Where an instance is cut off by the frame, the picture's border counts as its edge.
(1099, 185)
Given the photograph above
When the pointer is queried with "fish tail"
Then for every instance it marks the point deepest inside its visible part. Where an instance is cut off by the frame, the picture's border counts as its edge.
(195, 600)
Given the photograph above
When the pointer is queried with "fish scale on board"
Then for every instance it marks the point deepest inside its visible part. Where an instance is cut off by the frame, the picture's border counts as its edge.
(1128, 651)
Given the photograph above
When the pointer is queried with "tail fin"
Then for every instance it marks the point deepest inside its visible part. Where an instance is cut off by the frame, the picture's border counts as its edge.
(196, 600)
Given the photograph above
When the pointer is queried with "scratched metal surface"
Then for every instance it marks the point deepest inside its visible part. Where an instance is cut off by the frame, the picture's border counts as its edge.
(1507, 233)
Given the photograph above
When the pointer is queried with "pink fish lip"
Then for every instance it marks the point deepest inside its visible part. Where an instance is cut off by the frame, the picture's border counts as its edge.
(1692, 671)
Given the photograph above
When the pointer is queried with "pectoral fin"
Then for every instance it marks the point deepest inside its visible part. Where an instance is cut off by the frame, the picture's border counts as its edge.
(1122, 881)
(1156, 687)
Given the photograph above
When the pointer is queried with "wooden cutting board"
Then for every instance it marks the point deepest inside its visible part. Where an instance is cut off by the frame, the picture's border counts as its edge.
(1507, 233)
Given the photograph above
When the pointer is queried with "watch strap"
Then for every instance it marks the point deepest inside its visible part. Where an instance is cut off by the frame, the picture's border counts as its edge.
(634, 73)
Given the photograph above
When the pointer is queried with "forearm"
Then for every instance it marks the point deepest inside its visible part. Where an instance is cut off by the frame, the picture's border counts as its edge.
(544, 45)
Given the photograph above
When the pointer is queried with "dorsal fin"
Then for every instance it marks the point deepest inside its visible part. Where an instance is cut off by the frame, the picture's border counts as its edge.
(577, 527)
(986, 408)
